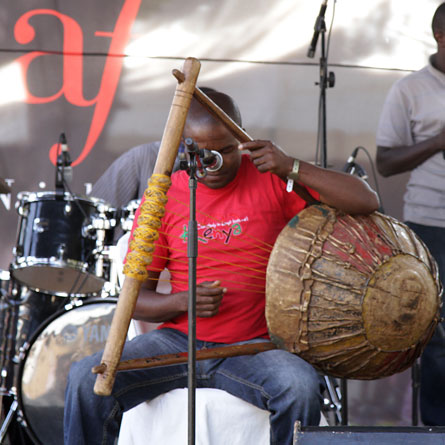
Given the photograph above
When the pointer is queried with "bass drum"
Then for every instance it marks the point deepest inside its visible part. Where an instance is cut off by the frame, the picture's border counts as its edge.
(67, 337)
(356, 296)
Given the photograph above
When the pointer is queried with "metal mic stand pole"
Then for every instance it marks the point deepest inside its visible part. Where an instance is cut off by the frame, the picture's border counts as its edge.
(322, 84)
(326, 80)
(192, 253)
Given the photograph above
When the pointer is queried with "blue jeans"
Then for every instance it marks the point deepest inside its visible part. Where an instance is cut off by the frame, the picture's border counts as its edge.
(432, 363)
(274, 380)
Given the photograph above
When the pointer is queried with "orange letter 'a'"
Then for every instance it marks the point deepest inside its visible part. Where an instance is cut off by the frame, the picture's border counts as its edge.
(72, 87)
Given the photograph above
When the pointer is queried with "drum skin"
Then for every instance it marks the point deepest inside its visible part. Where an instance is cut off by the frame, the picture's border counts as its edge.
(356, 296)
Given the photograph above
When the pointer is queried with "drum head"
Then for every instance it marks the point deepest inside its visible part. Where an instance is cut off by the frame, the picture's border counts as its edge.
(67, 337)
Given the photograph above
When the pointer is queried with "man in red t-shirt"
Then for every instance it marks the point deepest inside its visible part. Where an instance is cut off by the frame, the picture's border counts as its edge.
(241, 209)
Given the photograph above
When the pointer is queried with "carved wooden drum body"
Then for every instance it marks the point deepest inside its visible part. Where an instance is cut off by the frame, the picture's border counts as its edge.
(356, 296)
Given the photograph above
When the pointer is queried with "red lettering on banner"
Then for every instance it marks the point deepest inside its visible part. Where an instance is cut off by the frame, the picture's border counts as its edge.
(72, 86)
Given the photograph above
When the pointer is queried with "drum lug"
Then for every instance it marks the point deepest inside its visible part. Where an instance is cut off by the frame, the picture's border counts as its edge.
(61, 251)
(40, 225)
(21, 419)
(22, 211)
(103, 223)
(22, 352)
(88, 231)
(75, 302)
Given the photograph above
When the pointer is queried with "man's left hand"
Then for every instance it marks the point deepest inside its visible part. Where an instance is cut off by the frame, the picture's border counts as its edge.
(268, 157)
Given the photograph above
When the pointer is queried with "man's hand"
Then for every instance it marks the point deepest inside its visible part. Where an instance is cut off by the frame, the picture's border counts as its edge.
(268, 157)
(209, 295)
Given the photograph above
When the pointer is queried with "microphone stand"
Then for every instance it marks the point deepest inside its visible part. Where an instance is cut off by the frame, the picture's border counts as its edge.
(326, 79)
(192, 253)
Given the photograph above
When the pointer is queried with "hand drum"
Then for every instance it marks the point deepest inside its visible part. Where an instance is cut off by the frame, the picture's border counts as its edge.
(356, 296)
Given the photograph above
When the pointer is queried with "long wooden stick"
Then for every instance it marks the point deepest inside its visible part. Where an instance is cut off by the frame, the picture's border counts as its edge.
(130, 290)
(181, 357)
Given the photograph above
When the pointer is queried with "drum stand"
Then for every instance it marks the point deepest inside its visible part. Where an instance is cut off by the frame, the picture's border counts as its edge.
(334, 402)
(415, 380)
(18, 436)
(415, 387)
(8, 419)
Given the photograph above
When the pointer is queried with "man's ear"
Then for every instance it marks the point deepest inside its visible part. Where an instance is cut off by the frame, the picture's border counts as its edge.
(439, 36)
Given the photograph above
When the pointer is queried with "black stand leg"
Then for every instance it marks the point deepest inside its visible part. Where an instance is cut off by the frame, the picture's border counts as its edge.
(8, 419)
(12, 432)
(344, 401)
(415, 386)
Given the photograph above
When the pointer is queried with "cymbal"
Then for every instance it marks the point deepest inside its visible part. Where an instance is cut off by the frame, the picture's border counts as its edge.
(4, 188)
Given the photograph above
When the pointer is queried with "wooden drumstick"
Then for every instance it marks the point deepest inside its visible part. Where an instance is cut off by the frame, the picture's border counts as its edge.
(217, 112)
(130, 290)
(235, 129)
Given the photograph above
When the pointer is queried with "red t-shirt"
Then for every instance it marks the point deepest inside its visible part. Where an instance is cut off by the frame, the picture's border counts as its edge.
(237, 227)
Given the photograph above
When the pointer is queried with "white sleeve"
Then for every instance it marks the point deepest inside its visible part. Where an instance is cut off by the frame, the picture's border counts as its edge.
(394, 128)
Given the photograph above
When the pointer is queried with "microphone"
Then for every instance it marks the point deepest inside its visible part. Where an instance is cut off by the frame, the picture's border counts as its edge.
(64, 171)
(352, 167)
(351, 160)
(193, 148)
(206, 160)
(357, 169)
(212, 160)
(317, 28)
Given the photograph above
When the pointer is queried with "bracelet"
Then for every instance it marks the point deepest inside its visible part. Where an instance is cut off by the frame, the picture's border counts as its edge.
(293, 175)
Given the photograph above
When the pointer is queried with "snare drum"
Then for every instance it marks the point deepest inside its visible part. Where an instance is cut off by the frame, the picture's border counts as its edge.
(68, 336)
(60, 239)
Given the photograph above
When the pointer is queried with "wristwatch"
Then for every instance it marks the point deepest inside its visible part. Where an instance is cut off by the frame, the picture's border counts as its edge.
(293, 175)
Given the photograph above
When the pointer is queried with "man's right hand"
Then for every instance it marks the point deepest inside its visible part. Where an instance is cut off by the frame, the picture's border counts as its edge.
(209, 295)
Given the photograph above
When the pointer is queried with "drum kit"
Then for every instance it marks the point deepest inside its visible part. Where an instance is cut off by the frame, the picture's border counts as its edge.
(56, 304)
